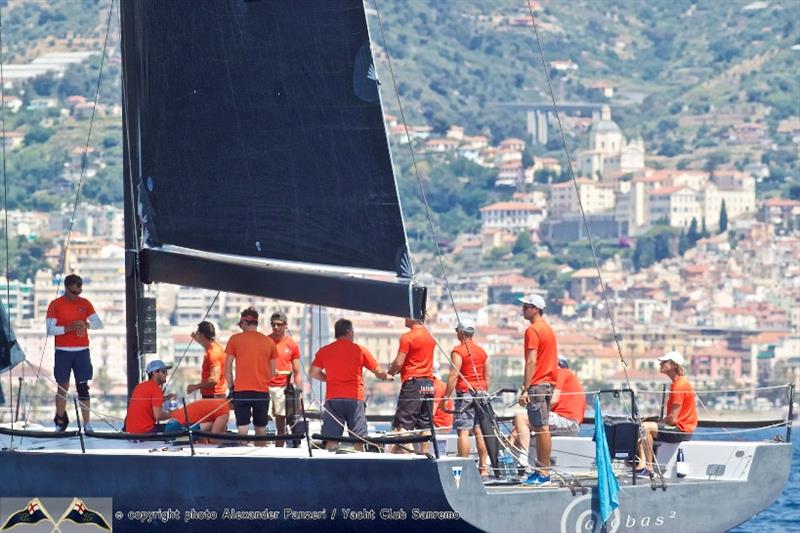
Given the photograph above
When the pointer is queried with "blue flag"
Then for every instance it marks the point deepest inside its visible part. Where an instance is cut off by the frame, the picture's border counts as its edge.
(607, 484)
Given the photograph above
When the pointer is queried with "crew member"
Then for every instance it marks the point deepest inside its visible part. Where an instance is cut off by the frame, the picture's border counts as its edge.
(414, 362)
(443, 405)
(252, 353)
(469, 374)
(681, 419)
(287, 364)
(567, 407)
(340, 365)
(211, 414)
(541, 361)
(212, 376)
(145, 408)
(68, 319)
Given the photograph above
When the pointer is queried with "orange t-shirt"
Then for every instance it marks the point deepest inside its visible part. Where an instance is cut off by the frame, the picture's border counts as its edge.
(251, 352)
(540, 337)
(66, 312)
(682, 394)
(287, 352)
(343, 362)
(473, 367)
(145, 396)
(214, 357)
(569, 405)
(205, 410)
(442, 419)
(418, 345)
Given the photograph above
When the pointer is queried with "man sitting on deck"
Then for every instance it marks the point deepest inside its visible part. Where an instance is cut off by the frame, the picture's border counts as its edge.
(340, 365)
(145, 409)
(681, 418)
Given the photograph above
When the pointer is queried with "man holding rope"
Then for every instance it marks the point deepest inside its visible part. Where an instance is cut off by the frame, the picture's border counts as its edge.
(469, 374)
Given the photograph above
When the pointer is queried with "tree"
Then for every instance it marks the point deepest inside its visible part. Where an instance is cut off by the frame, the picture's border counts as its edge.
(524, 243)
(683, 243)
(692, 236)
(704, 234)
(723, 218)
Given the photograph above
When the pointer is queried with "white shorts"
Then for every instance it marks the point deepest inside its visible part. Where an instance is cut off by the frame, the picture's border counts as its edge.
(277, 402)
(562, 426)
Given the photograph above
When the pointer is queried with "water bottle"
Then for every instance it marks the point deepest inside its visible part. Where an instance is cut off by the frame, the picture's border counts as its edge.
(506, 466)
(173, 404)
(681, 468)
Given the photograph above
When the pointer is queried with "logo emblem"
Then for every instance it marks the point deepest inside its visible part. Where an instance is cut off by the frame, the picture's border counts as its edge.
(33, 513)
(80, 514)
(457, 475)
(373, 74)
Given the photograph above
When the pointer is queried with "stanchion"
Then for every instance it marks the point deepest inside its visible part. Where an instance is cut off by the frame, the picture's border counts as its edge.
(80, 428)
(188, 425)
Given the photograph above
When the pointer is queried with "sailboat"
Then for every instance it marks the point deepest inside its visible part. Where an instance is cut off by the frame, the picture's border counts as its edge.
(257, 162)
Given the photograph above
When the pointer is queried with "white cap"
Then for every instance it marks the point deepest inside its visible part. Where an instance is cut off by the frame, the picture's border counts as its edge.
(675, 357)
(533, 299)
(154, 366)
(466, 325)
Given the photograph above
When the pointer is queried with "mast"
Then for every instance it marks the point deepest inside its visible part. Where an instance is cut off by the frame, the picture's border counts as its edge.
(133, 284)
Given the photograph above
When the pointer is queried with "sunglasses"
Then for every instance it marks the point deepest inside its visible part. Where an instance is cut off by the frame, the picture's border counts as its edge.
(278, 324)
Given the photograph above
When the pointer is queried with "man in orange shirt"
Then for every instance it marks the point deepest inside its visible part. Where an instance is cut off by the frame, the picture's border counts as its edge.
(210, 413)
(442, 419)
(212, 376)
(68, 319)
(541, 361)
(568, 406)
(414, 362)
(145, 408)
(681, 419)
(253, 355)
(340, 365)
(287, 364)
(469, 374)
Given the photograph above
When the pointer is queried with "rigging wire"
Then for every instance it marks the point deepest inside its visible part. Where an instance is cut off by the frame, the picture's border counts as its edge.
(80, 184)
(423, 196)
(191, 341)
(5, 223)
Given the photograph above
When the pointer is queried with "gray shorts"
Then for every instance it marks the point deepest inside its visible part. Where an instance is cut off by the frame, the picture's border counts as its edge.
(339, 411)
(539, 406)
(471, 417)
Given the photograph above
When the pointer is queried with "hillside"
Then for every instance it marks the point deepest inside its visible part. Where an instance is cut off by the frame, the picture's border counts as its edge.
(683, 73)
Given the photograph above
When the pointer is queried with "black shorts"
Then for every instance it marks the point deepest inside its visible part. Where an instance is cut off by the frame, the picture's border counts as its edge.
(414, 404)
(249, 402)
(671, 434)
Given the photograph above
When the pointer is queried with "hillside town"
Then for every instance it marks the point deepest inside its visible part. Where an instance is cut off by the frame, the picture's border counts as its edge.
(731, 302)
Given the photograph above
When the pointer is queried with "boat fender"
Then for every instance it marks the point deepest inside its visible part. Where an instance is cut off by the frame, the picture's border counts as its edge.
(83, 390)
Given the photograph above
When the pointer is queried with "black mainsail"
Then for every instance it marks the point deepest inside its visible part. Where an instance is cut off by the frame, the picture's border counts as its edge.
(257, 159)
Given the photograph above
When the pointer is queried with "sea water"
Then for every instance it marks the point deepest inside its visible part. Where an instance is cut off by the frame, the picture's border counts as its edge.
(784, 514)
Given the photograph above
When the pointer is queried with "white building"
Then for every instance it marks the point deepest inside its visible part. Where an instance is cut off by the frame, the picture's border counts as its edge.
(512, 216)
(594, 197)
